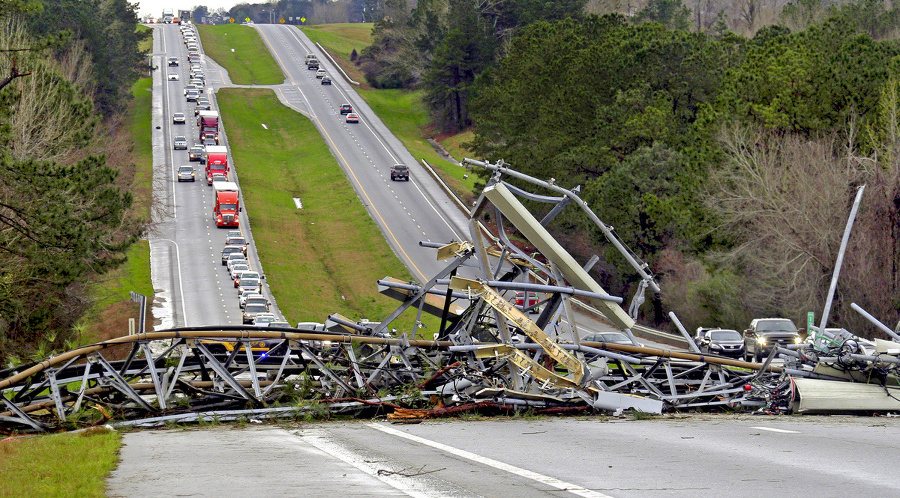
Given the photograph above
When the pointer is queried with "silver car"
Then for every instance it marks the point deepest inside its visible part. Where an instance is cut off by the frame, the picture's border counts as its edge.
(251, 311)
(228, 251)
(264, 319)
(186, 174)
(236, 258)
(249, 285)
(180, 143)
(255, 299)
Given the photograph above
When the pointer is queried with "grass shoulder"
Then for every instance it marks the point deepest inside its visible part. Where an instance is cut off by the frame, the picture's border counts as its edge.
(241, 51)
(341, 40)
(327, 256)
(74, 464)
(145, 46)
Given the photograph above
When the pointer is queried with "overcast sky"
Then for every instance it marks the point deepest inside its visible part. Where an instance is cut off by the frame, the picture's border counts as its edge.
(155, 7)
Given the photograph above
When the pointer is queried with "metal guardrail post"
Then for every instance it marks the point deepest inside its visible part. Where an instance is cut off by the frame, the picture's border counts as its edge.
(142, 300)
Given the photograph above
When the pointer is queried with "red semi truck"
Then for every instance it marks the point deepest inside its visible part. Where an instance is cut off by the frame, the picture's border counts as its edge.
(208, 121)
(216, 161)
(227, 205)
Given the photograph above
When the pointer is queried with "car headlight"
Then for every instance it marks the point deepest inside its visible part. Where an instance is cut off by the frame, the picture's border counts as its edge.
(797, 340)
(761, 341)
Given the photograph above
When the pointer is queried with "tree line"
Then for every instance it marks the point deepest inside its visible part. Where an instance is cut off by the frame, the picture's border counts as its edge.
(728, 162)
(66, 70)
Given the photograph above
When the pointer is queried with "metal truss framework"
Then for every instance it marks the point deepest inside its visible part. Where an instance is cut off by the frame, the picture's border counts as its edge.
(488, 353)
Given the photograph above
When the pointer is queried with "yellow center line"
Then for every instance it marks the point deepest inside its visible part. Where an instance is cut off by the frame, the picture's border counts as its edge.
(346, 163)
(369, 200)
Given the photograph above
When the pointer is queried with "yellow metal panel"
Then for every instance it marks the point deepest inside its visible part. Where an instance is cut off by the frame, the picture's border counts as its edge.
(527, 365)
(496, 301)
(453, 249)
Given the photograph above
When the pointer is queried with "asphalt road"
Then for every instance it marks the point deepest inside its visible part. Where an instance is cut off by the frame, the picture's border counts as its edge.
(192, 286)
(406, 212)
(695, 456)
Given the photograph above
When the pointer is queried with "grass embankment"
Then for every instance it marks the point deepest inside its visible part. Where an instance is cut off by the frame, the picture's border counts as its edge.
(108, 317)
(146, 45)
(241, 51)
(321, 259)
(340, 40)
(403, 112)
(58, 465)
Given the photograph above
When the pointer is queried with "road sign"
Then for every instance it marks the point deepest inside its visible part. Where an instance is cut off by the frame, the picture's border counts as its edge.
(302, 19)
(281, 20)
(246, 19)
(231, 20)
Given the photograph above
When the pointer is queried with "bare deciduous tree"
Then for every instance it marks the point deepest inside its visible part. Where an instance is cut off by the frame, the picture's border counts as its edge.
(786, 199)
(330, 12)
(50, 118)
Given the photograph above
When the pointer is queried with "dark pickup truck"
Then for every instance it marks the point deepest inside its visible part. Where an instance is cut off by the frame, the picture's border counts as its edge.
(766, 333)
(399, 172)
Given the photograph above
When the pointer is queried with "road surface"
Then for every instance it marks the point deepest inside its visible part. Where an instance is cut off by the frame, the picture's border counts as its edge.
(682, 455)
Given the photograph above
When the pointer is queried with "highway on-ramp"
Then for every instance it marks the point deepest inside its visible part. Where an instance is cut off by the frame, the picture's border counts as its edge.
(406, 212)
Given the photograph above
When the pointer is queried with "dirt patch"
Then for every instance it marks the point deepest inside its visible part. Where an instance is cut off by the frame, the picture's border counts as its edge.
(113, 322)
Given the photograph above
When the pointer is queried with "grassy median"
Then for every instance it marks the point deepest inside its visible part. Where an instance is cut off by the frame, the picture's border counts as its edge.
(241, 51)
(325, 257)
(58, 465)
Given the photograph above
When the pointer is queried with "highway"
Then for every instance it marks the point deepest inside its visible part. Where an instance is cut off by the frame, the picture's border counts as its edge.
(676, 455)
(406, 212)
(192, 287)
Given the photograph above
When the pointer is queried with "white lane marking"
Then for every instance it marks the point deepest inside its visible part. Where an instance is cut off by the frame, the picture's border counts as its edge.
(772, 429)
(321, 441)
(180, 279)
(541, 478)
(390, 153)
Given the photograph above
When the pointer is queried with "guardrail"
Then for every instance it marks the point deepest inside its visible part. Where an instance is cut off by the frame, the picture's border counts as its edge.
(450, 193)
(338, 66)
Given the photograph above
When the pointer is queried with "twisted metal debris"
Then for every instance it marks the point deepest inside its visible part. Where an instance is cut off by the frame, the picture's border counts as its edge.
(489, 355)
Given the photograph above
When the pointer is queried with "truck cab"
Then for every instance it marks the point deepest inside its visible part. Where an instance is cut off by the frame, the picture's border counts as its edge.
(227, 205)
(216, 161)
